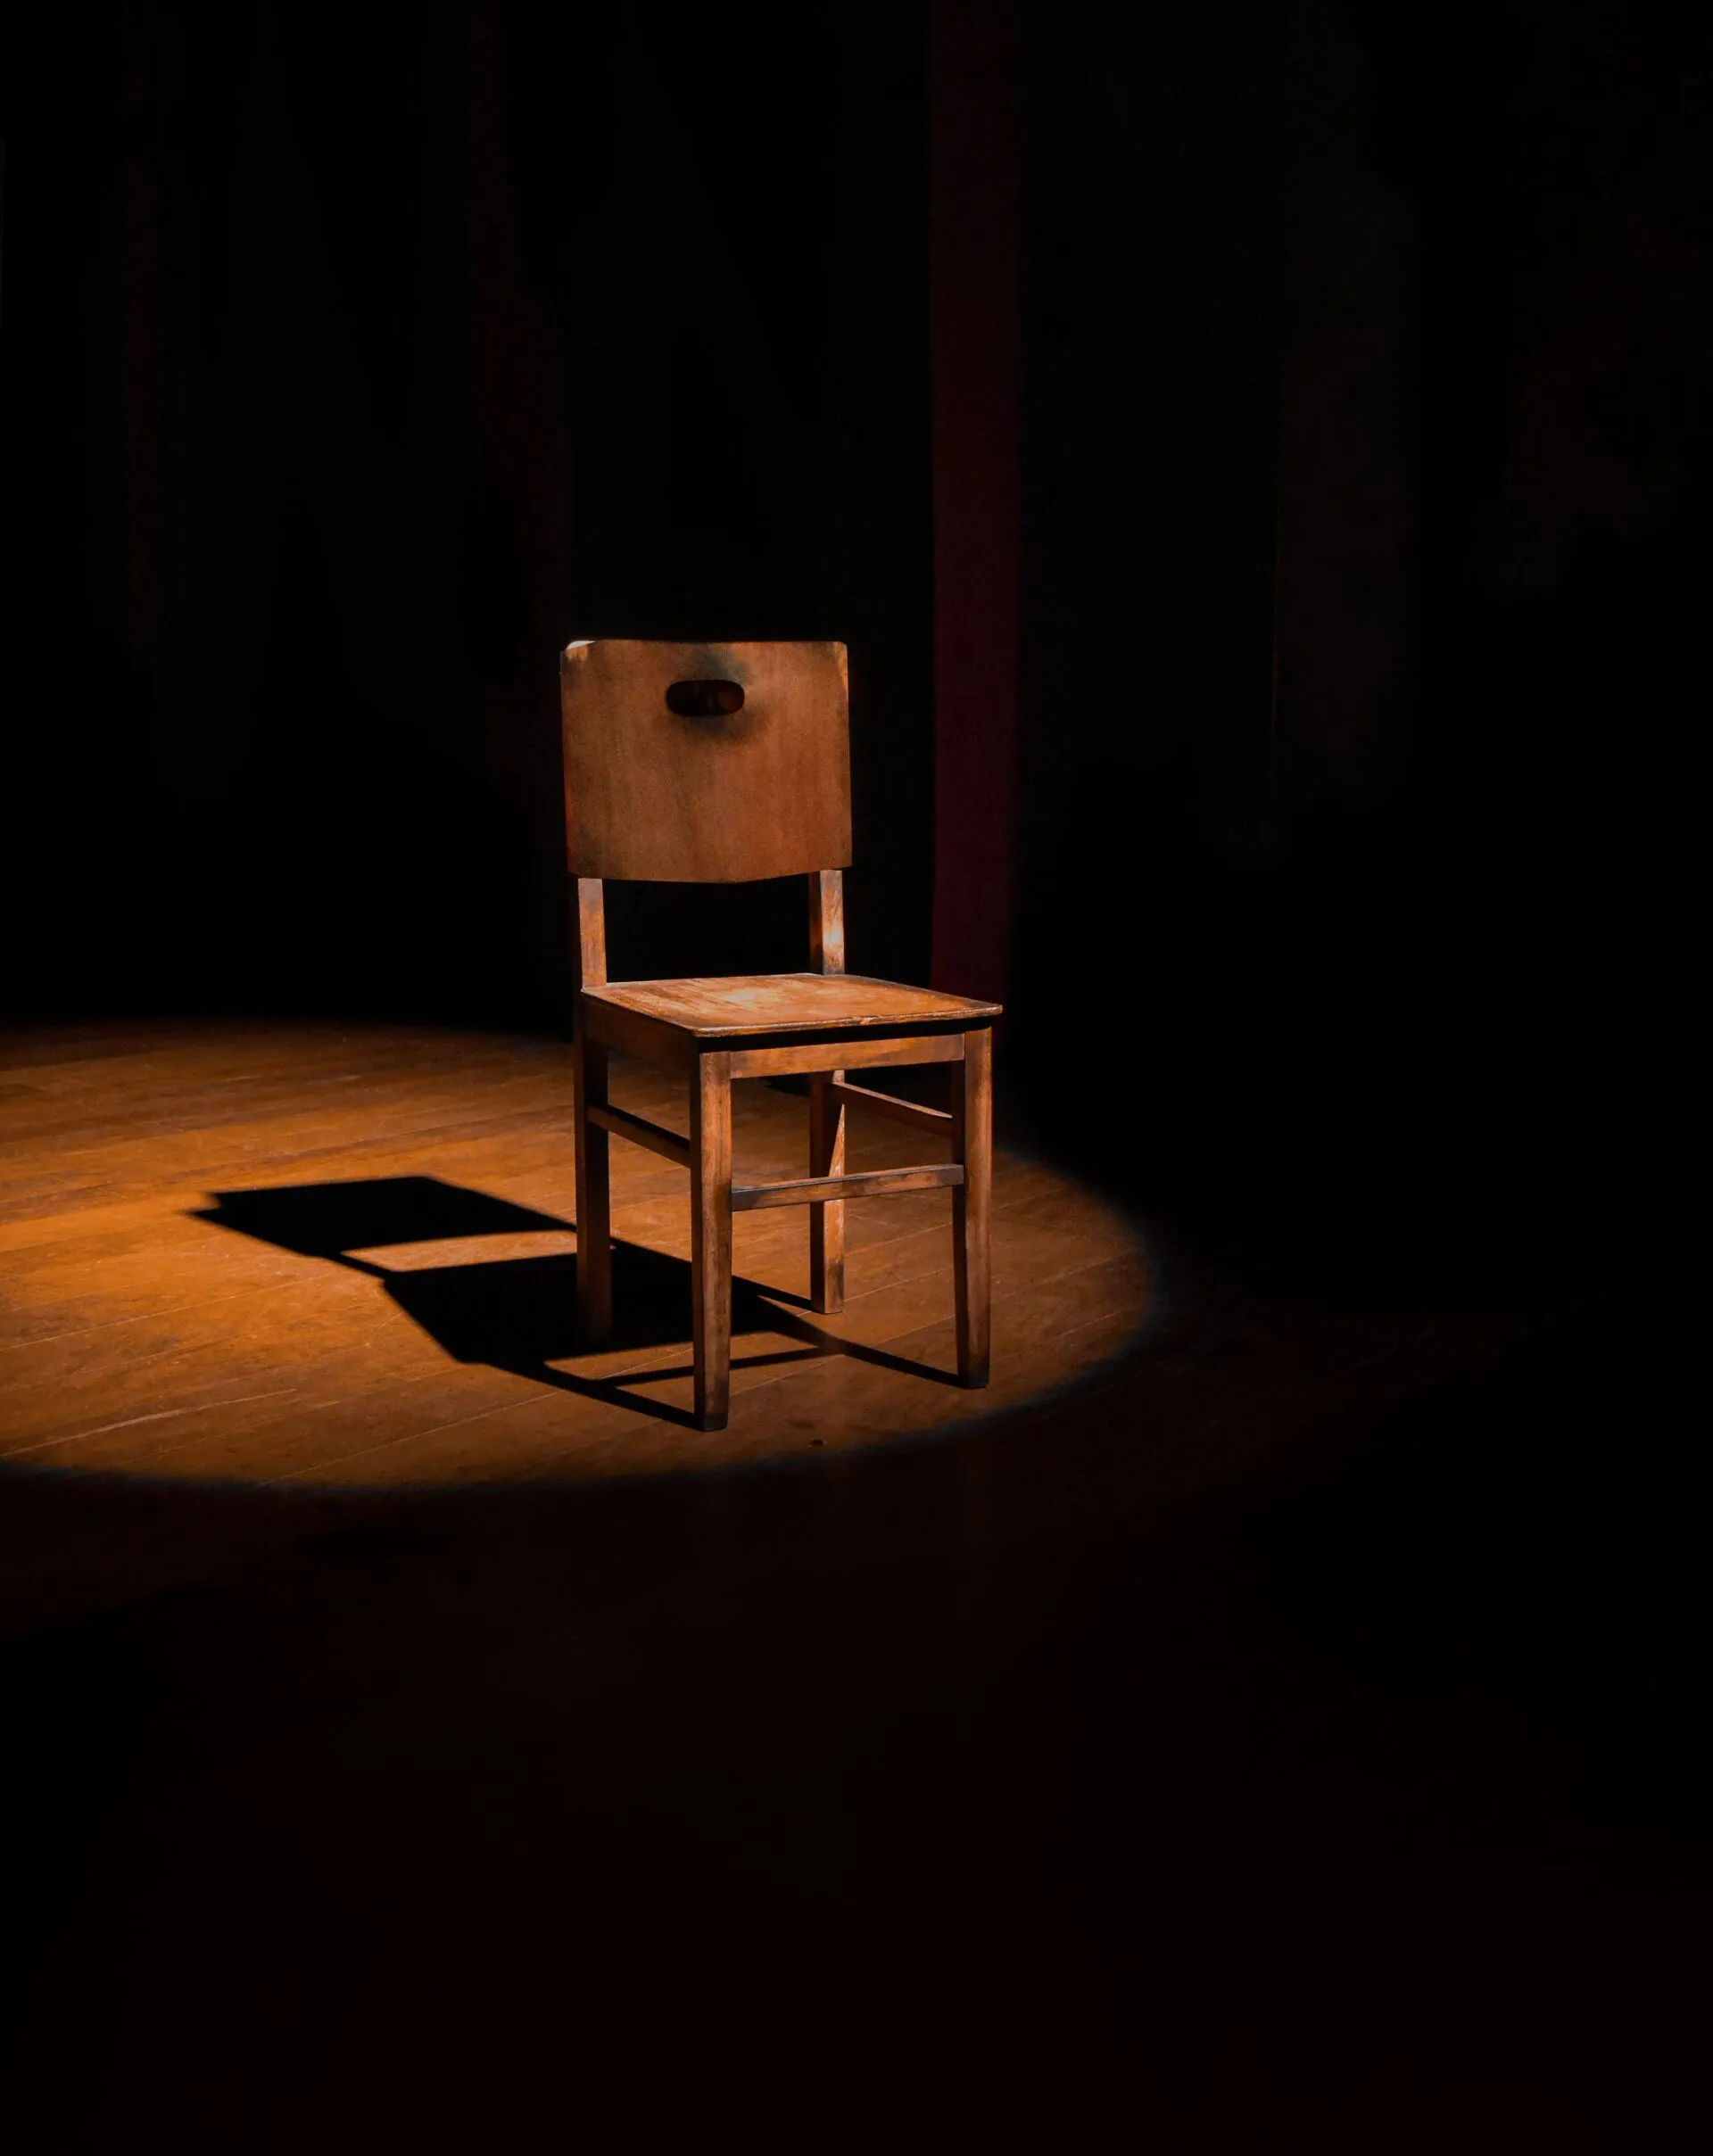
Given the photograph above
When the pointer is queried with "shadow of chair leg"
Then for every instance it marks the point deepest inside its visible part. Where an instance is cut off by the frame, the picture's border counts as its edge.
(799, 1328)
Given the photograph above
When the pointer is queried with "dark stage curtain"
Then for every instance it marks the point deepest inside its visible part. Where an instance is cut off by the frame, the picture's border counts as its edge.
(355, 359)
(1368, 515)
(1259, 457)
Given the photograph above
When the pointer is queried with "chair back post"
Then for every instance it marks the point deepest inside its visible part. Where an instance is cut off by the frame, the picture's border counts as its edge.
(827, 921)
(589, 905)
(589, 1098)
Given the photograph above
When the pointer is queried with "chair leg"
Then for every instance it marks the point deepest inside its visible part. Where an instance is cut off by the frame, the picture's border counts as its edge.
(710, 1235)
(594, 1199)
(973, 1204)
(826, 1220)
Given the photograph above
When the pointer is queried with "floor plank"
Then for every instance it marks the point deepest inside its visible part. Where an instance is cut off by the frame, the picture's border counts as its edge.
(147, 1330)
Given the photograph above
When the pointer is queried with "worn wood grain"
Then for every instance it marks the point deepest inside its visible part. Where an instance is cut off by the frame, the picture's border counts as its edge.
(639, 1131)
(141, 1337)
(826, 1112)
(972, 1207)
(827, 921)
(635, 1032)
(826, 1218)
(723, 762)
(741, 1004)
(594, 1198)
(913, 1113)
(720, 797)
(856, 1050)
(588, 907)
(710, 1234)
(880, 1182)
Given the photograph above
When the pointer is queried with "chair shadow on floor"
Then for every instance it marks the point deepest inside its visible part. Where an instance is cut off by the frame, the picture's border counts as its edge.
(519, 1314)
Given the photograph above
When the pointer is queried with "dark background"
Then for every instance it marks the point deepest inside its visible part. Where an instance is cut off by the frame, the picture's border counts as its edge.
(356, 359)
(1316, 738)
(1367, 531)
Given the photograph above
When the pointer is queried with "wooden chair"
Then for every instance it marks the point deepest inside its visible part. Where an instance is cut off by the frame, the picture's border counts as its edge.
(723, 764)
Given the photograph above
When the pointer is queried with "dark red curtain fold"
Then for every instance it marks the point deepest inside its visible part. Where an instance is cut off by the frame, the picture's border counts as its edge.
(974, 225)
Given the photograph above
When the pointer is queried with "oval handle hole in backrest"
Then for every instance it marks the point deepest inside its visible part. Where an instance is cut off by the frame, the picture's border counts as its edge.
(705, 699)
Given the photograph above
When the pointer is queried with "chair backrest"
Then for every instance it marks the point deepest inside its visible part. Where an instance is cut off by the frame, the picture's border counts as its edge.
(705, 763)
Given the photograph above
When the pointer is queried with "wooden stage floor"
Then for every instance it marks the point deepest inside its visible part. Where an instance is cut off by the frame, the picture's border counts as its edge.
(346, 1256)
(1273, 1718)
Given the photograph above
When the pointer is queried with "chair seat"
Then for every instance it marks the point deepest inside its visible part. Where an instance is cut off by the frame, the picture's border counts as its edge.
(786, 1002)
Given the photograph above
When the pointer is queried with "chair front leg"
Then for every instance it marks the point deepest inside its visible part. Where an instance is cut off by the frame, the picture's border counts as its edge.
(826, 1220)
(973, 1204)
(710, 1235)
(595, 1201)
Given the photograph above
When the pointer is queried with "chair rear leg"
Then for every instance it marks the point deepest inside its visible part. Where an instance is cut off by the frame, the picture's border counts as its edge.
(710, 1235)
(594, 1199)
(973, 1204)
(826, 1220)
